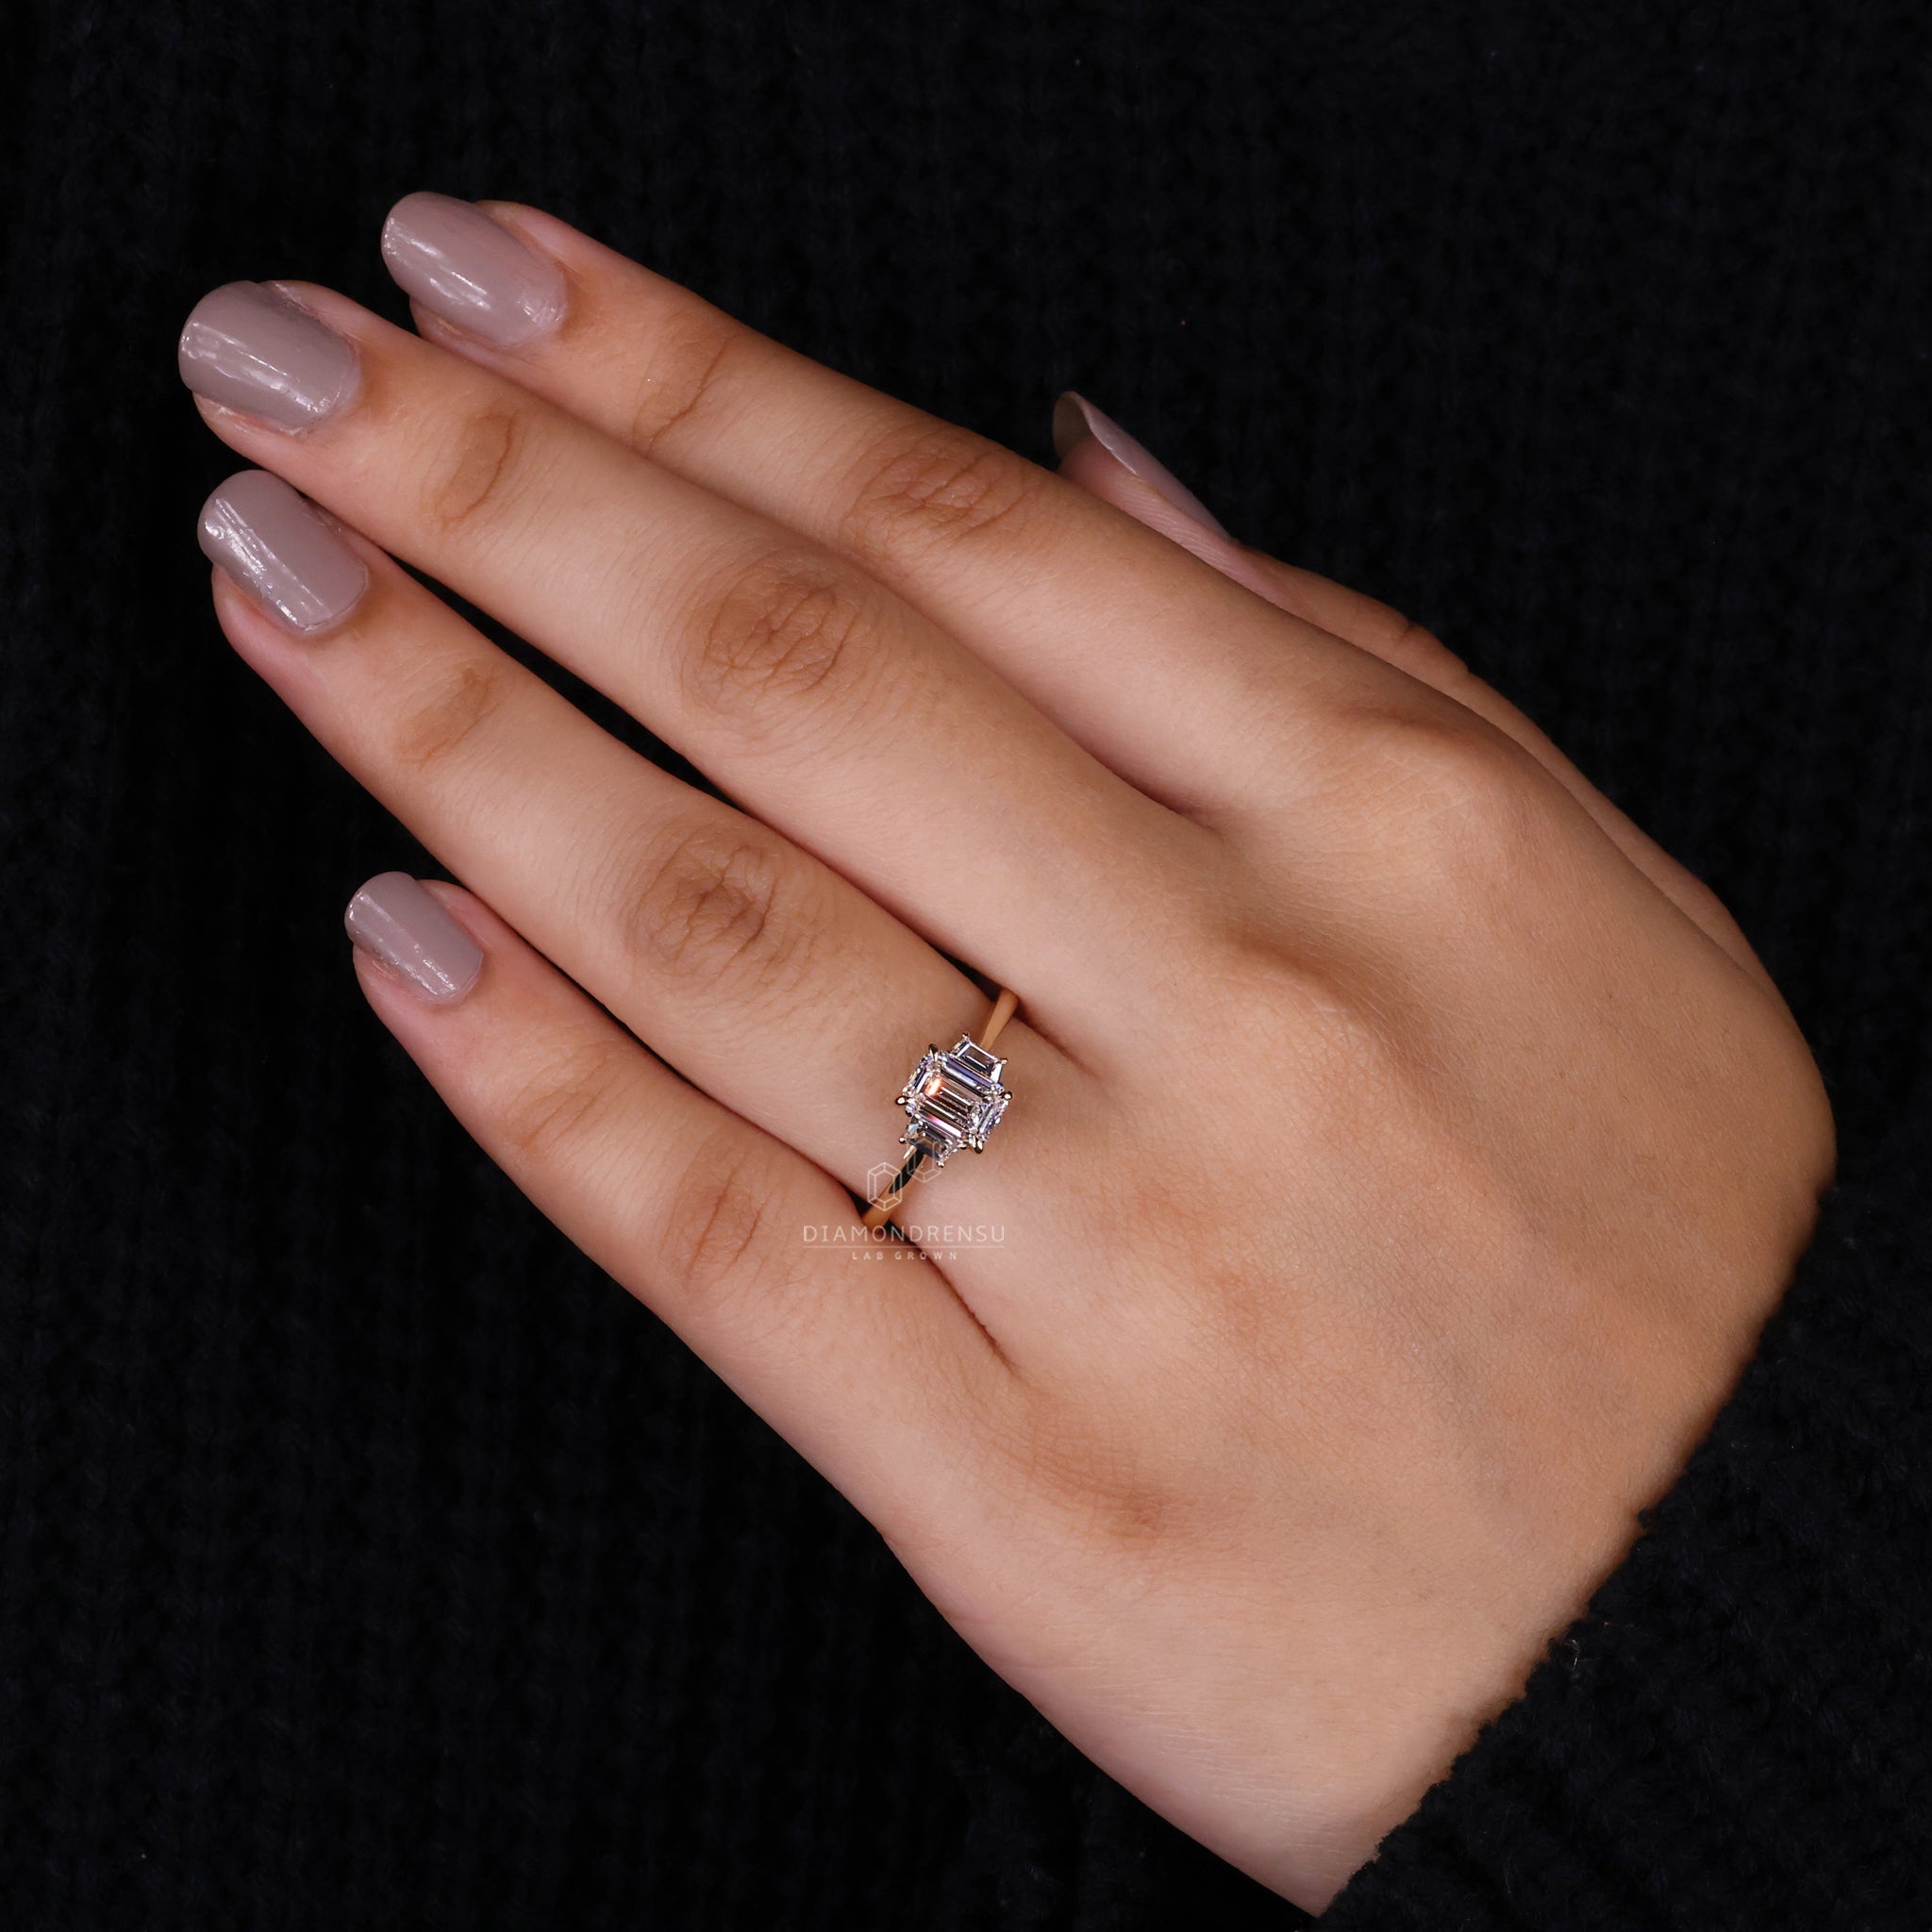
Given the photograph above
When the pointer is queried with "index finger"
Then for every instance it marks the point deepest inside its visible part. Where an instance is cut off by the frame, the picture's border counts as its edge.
(1140, 651)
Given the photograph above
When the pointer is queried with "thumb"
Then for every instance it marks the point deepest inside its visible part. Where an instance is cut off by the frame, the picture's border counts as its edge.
(1098, 455)
(1102, 458)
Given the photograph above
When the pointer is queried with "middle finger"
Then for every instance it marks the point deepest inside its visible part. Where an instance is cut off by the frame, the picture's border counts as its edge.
(769, 981)
(828, 707)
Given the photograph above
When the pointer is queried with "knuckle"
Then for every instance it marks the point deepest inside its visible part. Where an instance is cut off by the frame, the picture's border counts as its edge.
(469, 478)
(1452, 791)
(436, 722)
(934, 484)
(715, 903)
(688, 358)
(562, 1102)
(717, 1220)
(1328, 1017)
(782, 631)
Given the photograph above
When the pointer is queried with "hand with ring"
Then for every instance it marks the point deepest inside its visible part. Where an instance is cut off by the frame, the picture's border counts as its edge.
(1395, 1153)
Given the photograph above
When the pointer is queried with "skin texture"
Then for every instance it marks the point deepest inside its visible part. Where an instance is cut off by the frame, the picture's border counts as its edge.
(1406, 1152)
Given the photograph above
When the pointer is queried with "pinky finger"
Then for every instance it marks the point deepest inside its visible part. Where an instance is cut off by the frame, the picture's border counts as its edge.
(872, 1369)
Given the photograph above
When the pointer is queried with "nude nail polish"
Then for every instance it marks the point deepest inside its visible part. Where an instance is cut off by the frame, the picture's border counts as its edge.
(410, 931)
(471, 272)
(248, 347)
(1075, 418)
(282, 551)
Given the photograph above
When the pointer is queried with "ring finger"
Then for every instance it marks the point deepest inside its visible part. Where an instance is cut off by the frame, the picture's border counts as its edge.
(832, 709)
(765, 977)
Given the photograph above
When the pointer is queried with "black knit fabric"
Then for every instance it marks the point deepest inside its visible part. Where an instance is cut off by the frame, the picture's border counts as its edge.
(367, 1560)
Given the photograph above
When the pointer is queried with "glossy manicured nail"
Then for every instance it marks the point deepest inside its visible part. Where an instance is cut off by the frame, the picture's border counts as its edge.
(248, 347)
(470, 271)
(1075, 418)
(282, 551)
(410, 931)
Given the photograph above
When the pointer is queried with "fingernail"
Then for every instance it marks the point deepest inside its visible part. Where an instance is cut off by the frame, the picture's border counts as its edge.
(248, 347)
(470, 271)
(279, 548)
(410, 931)
(1075, 418)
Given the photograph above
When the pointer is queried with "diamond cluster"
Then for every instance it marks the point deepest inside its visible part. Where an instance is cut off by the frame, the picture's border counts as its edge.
(952, 1100)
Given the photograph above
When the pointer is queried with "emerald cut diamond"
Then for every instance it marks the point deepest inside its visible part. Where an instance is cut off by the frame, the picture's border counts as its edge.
(952, 1100)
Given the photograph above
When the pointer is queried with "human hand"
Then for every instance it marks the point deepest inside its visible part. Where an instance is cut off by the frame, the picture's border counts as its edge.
(1404, 1151)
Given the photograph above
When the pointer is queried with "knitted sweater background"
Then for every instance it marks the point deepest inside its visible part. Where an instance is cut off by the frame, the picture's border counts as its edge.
(368, 1559)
